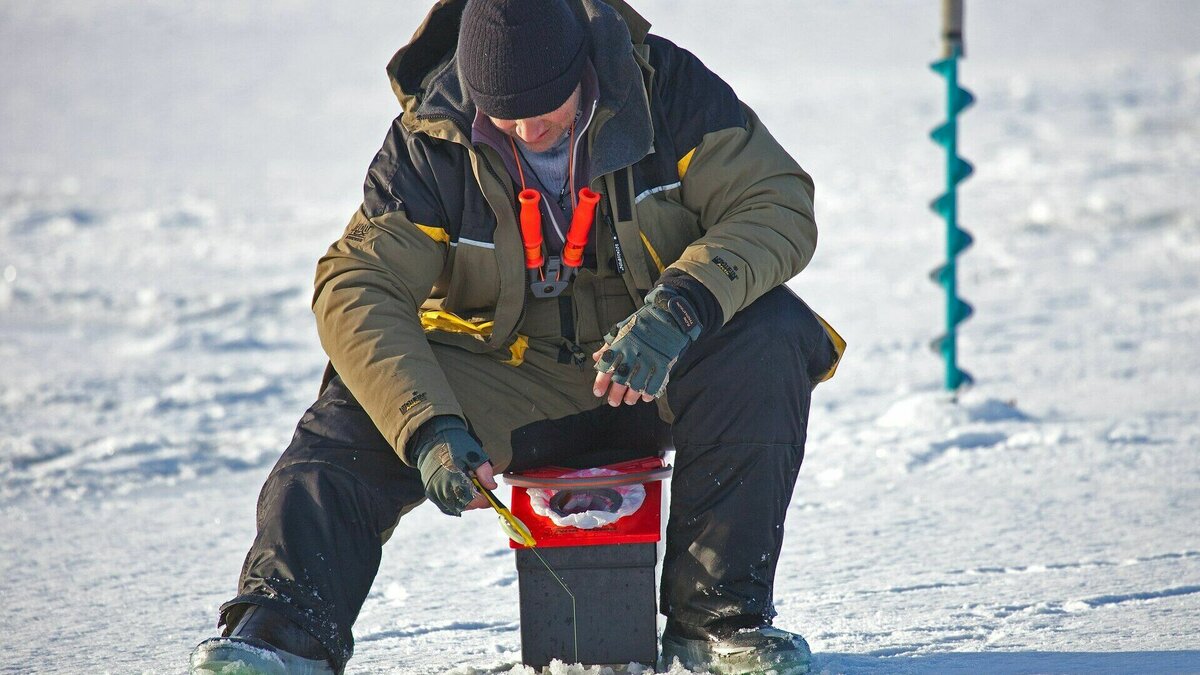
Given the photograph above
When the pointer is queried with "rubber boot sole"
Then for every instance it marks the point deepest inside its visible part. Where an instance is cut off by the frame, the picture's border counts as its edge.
(249, 656)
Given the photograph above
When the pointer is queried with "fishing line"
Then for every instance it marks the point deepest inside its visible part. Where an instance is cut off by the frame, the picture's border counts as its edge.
(574, 618)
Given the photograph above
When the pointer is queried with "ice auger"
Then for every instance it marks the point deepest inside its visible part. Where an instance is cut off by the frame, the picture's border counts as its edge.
(946, 205)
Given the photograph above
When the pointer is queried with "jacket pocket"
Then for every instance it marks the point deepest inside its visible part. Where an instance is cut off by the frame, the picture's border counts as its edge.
(613, 304)
(667, 228)
(475, 277)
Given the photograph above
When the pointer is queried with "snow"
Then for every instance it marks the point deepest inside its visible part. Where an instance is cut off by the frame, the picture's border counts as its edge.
(169, 174)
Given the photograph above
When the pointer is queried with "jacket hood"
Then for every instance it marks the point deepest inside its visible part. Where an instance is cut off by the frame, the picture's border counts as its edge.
(425, 79)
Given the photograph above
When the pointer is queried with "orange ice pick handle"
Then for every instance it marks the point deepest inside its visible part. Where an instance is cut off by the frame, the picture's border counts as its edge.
(531, 227)
(581, 227)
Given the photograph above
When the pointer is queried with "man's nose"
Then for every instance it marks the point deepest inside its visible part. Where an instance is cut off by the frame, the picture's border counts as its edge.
(530, 129)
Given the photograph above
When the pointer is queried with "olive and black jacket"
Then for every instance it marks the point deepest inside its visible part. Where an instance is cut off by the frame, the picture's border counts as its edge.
(692, 186)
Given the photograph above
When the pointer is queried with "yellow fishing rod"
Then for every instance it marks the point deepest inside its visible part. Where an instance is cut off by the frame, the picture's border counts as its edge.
(512, 525)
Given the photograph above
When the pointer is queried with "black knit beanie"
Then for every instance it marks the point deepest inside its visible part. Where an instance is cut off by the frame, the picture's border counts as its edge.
(520, 58)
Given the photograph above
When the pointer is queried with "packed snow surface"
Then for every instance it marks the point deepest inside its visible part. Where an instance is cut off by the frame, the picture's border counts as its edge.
(169, 174)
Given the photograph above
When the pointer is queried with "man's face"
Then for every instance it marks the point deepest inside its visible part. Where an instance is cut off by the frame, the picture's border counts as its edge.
(539, 134)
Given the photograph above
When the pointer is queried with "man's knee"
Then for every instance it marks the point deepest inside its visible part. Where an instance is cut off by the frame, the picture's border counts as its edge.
(750, 381)
(307, 493)
(337, 449)
(779, 324)
(777, 330)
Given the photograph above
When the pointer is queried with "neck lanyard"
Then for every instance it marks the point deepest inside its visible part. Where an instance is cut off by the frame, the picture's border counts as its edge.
(553, 279)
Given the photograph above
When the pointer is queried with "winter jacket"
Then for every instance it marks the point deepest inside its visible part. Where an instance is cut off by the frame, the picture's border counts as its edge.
(690, 180)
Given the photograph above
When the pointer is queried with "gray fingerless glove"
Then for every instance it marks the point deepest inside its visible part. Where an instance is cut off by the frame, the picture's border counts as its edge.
(643, 348)
(444, 451)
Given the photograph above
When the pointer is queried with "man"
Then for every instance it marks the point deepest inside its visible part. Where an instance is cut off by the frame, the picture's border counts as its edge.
(463, 306)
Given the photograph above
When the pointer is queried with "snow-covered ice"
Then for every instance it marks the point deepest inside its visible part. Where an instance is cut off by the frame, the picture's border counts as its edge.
(169, 174)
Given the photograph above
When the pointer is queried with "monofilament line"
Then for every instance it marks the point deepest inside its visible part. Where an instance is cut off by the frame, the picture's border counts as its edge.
(574, 618)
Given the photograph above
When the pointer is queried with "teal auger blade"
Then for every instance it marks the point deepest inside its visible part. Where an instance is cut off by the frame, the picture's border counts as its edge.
(945, 205)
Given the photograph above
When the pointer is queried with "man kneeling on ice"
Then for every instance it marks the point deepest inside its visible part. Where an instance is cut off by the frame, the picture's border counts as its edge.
(475, 324)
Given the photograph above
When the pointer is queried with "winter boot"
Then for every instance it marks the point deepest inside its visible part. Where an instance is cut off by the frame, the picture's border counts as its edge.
(753, 650)
(263, 643)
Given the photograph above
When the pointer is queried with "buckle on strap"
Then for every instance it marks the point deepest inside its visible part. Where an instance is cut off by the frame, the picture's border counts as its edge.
(558, 277)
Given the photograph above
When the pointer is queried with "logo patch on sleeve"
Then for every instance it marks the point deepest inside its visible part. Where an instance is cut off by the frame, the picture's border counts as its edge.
(359, 233)
(729, 270)
(413, 402)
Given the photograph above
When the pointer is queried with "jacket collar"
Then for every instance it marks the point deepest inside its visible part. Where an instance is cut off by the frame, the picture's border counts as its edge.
(425, 78)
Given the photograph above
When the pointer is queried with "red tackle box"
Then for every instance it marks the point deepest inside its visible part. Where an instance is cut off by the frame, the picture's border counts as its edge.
(640, 527)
